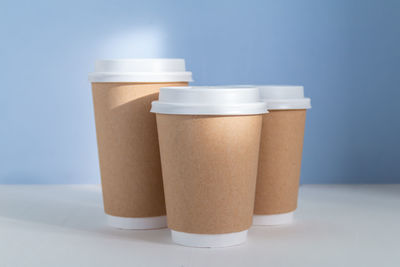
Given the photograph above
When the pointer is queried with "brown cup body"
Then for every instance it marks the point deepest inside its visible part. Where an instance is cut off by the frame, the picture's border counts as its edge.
(280, 161)
(209, 168)
(128, 148)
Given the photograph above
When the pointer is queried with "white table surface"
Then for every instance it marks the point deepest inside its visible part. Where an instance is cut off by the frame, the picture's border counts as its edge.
(64, 225)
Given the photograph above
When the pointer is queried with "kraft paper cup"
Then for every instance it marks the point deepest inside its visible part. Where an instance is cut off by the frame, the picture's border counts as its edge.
(209, 143)
(127, 137)
(280, 154)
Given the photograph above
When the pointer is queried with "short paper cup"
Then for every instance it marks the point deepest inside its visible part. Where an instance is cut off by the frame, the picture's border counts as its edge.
(209, 143)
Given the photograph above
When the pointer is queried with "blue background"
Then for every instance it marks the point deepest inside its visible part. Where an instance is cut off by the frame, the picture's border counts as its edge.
(345, 53)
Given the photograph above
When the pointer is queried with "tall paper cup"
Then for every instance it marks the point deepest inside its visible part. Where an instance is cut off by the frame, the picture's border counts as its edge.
(127, 137)
(209, 142)
(280, 154)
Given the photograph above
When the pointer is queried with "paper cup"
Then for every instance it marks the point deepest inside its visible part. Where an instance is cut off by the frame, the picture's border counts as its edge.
(127, 137)
(280, 154)
(209, 143)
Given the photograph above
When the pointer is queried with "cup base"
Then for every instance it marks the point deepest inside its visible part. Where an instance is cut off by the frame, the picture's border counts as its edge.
(208, 241)
(274, 219)
(137, 223)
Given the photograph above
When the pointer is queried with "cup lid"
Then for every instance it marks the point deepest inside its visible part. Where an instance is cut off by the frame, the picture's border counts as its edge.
(284, 97)
(209, 100)
(141, 70)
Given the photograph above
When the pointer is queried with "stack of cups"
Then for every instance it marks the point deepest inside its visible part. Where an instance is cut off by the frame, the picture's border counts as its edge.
(280, 154)
(127, 137)
(209, 143)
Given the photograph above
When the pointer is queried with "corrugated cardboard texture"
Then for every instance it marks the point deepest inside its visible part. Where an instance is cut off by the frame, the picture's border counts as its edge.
(209, 168)
(280, 161)
(128, 148)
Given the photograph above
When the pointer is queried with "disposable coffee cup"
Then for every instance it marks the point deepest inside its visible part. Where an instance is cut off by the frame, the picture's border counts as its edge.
(127, 137)
(280, 154)
(209, 143)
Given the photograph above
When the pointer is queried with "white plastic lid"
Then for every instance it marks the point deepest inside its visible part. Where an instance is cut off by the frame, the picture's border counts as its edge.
(141, 70)
(284, 97)
(209, 100)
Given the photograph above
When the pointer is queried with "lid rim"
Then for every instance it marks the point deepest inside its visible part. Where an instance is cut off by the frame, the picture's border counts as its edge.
(290, 103)
(282, 92)
(140, 76)
(140, 70)
(204, 109)
(209, 100)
